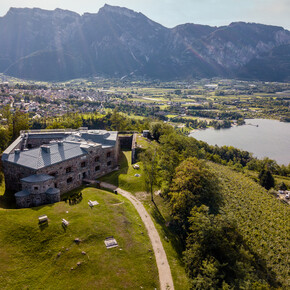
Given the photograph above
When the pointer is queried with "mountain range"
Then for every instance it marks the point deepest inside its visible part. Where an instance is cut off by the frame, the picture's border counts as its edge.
(117, 42)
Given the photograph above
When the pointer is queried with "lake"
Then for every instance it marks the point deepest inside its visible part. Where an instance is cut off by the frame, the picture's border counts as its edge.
(270, 139)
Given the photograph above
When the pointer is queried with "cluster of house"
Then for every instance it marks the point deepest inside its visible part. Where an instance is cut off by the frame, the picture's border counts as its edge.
(43, 164)
(43, 102)
(286, 192)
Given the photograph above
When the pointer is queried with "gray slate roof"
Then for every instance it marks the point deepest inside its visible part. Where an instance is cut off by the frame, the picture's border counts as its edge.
(101, 137)
(52, 190)
(38, 158)
(21, 193)
(37, 178)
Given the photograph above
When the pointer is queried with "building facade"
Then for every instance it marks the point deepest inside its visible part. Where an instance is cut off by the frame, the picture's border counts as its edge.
(39, 162)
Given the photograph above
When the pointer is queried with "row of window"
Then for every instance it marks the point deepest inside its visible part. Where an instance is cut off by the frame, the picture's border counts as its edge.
(83, 164)
(97, 168)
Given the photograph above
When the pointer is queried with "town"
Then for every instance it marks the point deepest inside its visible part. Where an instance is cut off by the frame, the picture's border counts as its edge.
(194, 104)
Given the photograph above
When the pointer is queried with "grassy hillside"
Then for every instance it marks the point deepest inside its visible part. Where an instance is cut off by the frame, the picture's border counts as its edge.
(159, 212)
(29, 254)
(262, 219)
(125, 177)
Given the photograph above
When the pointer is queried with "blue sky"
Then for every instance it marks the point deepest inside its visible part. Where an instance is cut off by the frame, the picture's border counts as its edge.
(173, 12)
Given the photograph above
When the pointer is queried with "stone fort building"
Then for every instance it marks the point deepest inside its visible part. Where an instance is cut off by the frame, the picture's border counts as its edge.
(40, 165)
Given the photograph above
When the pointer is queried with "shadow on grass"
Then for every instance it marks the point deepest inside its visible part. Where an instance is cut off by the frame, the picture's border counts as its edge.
(43, 226)
(168, 231)
(113, 177)
(7, 200)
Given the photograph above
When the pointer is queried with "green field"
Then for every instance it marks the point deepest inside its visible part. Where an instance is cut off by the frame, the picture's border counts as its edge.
(29, 253)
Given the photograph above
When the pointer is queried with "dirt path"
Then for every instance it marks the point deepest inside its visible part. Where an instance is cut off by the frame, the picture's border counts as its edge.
(165, 277)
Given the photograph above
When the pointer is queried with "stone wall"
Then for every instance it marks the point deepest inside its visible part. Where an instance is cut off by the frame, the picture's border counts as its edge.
(37, 187)
(125, 141)
(134, 147)
(33, 142)
(13, 173)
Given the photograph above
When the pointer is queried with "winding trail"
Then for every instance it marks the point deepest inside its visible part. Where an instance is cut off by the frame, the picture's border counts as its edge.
(165, 277)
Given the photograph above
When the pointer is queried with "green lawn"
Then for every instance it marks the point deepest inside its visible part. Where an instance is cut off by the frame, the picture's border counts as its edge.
(143, 142)
(125, 177)
(159, 212)
(29, 254)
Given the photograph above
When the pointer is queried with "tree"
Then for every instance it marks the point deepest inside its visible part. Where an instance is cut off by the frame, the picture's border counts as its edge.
(150, 162)
(282, 186)
(217, 256)
(4, 138)
(193, 185)
(20, 121)
(118, 122)
(157, 129)
(266, 179)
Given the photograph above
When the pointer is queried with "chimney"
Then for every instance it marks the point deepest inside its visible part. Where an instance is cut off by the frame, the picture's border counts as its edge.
(45, 148)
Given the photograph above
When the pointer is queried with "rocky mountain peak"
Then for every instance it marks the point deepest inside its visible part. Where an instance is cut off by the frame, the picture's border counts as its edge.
(60, 44)
(118, 10)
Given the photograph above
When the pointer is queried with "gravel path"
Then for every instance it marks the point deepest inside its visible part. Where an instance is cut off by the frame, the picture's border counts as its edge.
(165, 277)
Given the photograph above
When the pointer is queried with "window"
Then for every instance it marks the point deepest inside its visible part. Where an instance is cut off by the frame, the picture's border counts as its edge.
(83, 164)
(109, 163)
(97, 168)
(69, 180)
(55, 185)
(97, 159)
(53, 174)
(35, 187)
(68, 169)
(108, 154)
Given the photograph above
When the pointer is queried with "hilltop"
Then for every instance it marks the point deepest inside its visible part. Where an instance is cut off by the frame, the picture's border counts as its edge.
(34, 256)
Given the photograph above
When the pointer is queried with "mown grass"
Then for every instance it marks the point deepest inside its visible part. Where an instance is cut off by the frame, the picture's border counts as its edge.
(125, 177)
(144, 143)
(29, 253)
(159, 212)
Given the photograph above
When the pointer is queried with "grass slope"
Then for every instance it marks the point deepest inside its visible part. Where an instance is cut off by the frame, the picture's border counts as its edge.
(125, 179)
(261, 218)
(29, 254)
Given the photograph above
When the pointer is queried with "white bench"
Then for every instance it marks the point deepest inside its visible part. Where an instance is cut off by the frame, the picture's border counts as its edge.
(92, 203)
(42, 219)
(65, 222)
